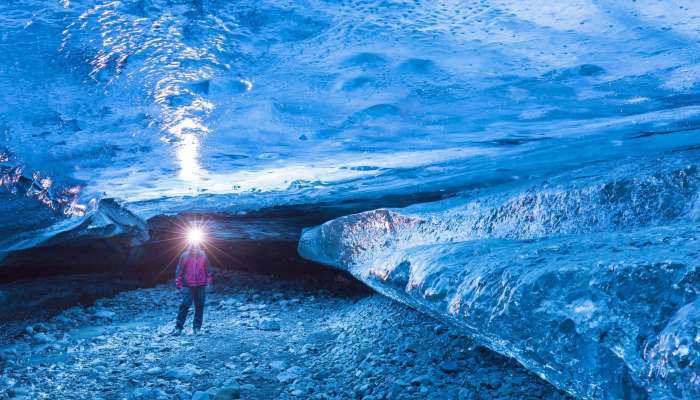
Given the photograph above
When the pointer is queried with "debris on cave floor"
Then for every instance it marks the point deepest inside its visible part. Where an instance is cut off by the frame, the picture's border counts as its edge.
(264, 338)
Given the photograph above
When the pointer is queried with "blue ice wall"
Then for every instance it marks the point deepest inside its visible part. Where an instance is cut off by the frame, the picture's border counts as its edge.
(590, 278)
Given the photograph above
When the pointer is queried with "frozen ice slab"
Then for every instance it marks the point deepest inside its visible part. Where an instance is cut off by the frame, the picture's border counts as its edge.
(108, 218)
(590, 283)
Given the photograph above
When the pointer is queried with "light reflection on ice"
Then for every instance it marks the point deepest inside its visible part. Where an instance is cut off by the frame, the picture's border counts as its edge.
(188, 154)
(322, 172)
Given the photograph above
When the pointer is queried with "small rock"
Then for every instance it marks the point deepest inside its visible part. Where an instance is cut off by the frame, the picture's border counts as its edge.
(41, 327)
(154, 371)
(322, 375)
(411, 348)
(421, 380)
(148, 393)
(8, 354)
(140, 393)
(278, 365)
(185, 373)
(466, 394)
(449, 367)
(41, 338)
(18, 392)
(105, 314)
(228, 393)
(199, 395)
(400, 382)
(439, 329)
(269, 325)
(308, 348)
(290, 374)
(360, 391)
(361, 355)
(229, 382)
(494, 382)
(227, 303)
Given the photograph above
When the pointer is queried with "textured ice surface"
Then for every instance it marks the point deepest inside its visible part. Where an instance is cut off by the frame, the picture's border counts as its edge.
(175, 105)
(106, 219)
(591, 280)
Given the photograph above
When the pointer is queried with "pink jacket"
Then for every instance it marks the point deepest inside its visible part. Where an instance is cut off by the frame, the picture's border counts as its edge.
(193, 267)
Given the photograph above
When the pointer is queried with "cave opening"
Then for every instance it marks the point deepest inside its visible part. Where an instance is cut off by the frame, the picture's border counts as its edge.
(42, 281)
(80, 268)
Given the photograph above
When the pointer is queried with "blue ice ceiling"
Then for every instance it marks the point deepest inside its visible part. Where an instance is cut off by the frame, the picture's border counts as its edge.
(293, 101)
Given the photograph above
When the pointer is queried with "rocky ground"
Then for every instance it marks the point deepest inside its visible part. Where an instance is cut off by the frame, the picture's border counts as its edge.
(265, 338)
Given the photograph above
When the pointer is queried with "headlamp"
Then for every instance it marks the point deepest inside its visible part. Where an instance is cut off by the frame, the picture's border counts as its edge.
(195, 236)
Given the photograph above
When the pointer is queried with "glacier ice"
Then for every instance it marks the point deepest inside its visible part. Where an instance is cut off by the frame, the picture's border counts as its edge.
(106, 219)
(166, 104)
(593, 284)
(567, 133)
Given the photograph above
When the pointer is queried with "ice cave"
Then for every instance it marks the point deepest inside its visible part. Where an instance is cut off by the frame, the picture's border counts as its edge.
(350, 199)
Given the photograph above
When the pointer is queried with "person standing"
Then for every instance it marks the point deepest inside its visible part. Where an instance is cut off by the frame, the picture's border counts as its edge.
(191, 278)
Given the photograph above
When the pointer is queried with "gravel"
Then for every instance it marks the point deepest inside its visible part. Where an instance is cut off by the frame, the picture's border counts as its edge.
(334, 345)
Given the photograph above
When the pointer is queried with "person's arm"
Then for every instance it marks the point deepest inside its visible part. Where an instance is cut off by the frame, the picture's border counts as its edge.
(207, 266)
(178, 272)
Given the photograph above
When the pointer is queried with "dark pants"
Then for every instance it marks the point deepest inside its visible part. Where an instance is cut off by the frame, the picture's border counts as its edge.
(191, 294)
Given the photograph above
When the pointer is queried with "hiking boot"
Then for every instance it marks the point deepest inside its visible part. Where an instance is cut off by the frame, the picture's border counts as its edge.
(176, 332)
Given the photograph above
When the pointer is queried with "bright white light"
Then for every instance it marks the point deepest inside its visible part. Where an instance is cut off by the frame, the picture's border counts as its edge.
(195, 236)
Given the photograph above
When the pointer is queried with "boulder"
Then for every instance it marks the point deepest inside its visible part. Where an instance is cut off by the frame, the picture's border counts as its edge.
(269, 325)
